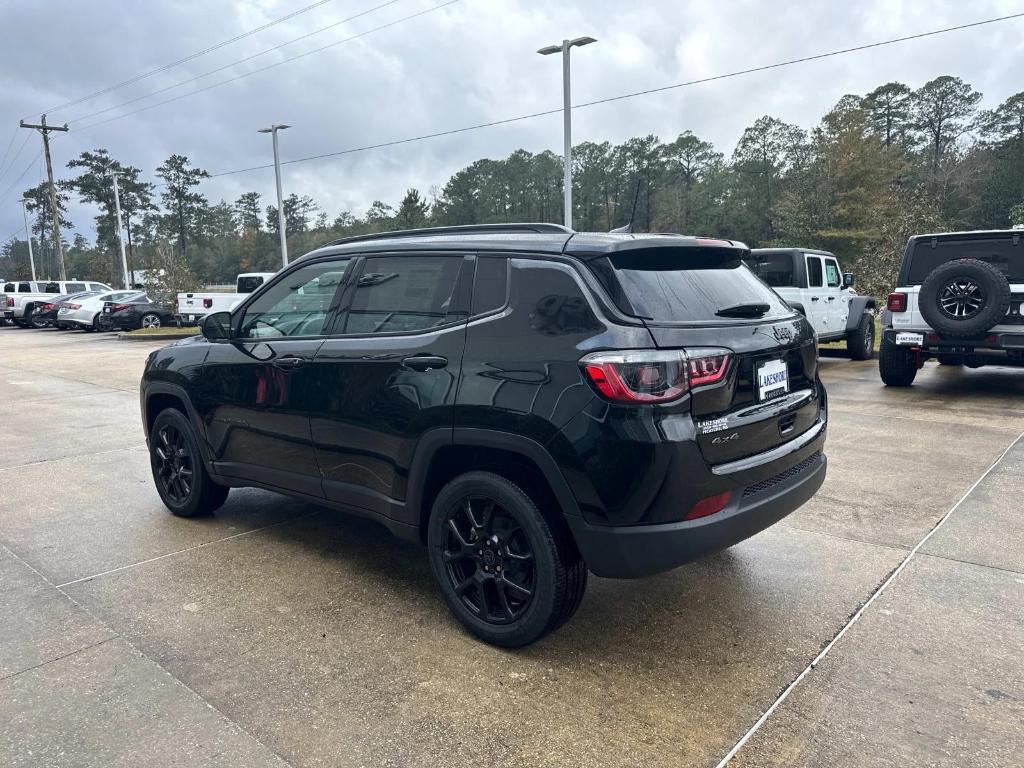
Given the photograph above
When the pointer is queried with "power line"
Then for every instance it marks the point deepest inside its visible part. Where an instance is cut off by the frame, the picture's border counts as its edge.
(14, 157)
(14, 183)
(8, 150)
(623, 96)
(190, 57)
(235, 63)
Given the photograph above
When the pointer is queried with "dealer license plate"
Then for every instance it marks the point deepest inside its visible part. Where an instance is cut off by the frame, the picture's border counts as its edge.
(772, 380)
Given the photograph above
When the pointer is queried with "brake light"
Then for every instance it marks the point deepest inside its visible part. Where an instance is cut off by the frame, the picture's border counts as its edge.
(710, 506)
(120, 307)
(207, 303)
(654, 376)
(46, 307)
(897, 302)
(10, 301)
(73, 306)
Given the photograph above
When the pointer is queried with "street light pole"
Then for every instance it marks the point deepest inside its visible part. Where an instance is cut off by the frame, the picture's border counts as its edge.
(120, 231)
(273, 129)
(564, 49)
(28, 235)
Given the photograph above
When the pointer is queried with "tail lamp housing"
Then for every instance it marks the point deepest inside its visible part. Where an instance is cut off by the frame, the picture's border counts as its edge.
(644, 377)
(897, 302)
(120, 307)
(207, 303)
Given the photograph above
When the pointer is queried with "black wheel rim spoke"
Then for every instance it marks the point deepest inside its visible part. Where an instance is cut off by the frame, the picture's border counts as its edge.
(173, 464)
(488, 560)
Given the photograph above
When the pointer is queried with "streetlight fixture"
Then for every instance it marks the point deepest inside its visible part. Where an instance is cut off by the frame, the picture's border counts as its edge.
(28, 236)
(273, 129)
(567, 116)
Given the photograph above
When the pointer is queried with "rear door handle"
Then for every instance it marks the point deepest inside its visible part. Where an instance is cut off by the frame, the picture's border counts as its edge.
(815, 298)
(289, 363)
(425, 362)
(831, 298)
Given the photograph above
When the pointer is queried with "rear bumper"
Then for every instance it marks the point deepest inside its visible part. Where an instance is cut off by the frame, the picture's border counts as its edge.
(1002, 347)
(643, 550)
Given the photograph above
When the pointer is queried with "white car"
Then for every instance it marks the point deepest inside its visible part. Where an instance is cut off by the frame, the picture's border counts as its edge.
(85, 311)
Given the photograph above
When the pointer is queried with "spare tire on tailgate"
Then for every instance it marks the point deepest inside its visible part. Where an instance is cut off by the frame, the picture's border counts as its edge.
(964, 298)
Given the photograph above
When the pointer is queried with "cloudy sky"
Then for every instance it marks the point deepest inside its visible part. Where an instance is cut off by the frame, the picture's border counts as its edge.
(469, 62)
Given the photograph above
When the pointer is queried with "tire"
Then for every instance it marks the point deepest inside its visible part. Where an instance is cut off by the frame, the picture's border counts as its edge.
(896, 365)
(520, 548)
(964, 298)
(150, 320)
(173, 447)
(860, 342)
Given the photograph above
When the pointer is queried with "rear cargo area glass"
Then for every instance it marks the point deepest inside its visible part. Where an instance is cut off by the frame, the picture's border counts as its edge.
(686, 285)
(1001, 253)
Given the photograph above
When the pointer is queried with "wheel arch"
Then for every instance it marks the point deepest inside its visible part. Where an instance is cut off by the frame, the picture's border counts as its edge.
(160, 396)
(518, 458)
(858, 306)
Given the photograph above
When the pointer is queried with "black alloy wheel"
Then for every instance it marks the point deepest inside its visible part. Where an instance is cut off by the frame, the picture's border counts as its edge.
(175, 473)
(961, 298)
(178, 470)
(509, 572)
(488, 560)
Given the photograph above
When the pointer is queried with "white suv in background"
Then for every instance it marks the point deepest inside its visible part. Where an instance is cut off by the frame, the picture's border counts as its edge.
(960, 300)
(813, 283)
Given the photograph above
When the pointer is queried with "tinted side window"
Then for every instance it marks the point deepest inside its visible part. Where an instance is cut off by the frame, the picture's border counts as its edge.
(74, 287)
(776, 269)
(297, 305)
(403, 294)
(814, 272)
(9, 288)
(490, 288)
(24, 288)
(832, 276)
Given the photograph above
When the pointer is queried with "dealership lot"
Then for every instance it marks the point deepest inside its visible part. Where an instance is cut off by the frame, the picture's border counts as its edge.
(278, 633)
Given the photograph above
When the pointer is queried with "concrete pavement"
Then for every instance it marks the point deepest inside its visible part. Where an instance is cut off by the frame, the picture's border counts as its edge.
(276, 632)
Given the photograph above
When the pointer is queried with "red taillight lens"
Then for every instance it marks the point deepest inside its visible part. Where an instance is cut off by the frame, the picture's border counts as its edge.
(46, 308)
(653, 376)
(897, 302)
(10, 301)
(73, 306)
(710, 506)
(120, 307)
(207, 303)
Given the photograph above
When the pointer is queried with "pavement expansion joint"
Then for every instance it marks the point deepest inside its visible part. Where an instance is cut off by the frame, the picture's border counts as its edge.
(860, 611)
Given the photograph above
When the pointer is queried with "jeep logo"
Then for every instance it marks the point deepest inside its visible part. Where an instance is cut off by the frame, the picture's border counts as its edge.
(783, 333)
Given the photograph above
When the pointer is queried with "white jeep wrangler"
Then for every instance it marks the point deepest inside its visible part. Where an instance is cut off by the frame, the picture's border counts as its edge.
(960, 299)
(812, 282)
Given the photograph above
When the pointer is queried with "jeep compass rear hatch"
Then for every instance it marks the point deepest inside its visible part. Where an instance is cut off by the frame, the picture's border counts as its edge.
(750, 360)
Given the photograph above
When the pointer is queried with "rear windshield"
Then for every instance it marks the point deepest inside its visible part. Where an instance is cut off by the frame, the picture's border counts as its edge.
(1000, 252)
(249, 284)
(776, 269)
(685, 285)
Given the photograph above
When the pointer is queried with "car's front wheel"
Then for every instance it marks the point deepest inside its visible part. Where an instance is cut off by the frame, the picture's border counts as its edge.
(860, 342)
(508, 575)
(180, 475)
(150, 320)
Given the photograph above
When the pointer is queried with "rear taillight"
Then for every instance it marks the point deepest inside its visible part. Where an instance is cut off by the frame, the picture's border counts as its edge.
(10, 301)
(207, 303)
(72, 306)
(46, 308)
(120, 307)
(654, 376)
(897, 302)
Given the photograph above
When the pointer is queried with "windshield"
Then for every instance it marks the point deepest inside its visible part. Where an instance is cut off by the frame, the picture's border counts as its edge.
(1000, 252)
(688, 285)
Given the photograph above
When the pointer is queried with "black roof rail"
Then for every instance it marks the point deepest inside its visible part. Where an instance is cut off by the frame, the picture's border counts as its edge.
(463, 229)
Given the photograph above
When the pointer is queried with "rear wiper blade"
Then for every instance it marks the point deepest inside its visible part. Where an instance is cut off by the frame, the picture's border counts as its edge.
(744, 310)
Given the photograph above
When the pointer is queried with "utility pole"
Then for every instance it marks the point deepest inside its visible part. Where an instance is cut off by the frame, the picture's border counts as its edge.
(45, 129)
(28, 235)
(564, 49)
(120, 231)
(273, 129)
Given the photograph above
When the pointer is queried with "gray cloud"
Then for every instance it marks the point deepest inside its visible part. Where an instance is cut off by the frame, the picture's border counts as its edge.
(469, 63)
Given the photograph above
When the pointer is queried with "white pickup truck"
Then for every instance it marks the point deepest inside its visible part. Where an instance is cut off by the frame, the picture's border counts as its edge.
(812, 282)
(18, 299)
(193, 307)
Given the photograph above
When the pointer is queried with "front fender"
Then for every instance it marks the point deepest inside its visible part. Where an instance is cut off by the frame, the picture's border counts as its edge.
(858, 306)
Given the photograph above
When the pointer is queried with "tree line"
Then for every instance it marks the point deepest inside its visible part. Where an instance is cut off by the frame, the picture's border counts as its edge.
(876, 169)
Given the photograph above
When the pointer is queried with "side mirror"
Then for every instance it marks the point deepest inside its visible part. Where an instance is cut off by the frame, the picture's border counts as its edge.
(848, 280)
(216, 326)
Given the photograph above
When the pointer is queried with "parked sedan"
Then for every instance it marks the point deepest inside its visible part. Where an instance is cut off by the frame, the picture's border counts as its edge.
(137, 312)
(85, 312)
(44, 315)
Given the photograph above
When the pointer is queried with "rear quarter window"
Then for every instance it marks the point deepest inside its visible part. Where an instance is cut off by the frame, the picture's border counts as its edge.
(685, 285)
(776, 269)
(1000, 252)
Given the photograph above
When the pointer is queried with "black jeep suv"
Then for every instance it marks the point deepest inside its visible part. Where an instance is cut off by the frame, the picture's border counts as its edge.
(527, 401)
